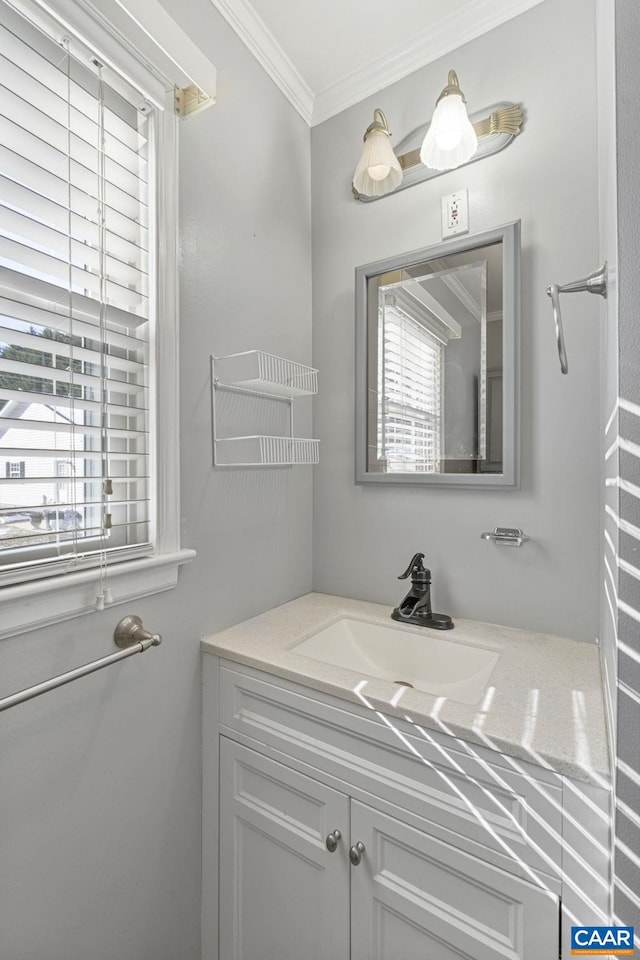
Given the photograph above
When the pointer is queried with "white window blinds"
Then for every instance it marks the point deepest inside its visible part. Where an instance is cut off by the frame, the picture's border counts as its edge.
(410, 391)
(76, 311)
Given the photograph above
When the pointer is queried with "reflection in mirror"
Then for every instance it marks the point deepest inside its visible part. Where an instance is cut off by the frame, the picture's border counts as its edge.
(436, 352)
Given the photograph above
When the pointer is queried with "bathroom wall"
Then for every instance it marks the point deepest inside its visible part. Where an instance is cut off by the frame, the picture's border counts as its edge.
(547, 178)
(627, 845)
(100, 785)
(609, 415)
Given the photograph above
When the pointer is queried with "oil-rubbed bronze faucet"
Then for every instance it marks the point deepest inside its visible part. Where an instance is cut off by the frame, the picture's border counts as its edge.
(416, 606)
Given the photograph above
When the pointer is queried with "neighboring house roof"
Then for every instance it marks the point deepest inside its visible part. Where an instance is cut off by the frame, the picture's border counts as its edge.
(15, 409)
(11, 408)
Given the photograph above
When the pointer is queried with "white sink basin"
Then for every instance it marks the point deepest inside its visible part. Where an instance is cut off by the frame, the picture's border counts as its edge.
(411, 657)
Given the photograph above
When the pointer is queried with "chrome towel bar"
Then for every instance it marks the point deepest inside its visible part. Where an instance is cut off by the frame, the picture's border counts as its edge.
(130, 635)
(594, 283)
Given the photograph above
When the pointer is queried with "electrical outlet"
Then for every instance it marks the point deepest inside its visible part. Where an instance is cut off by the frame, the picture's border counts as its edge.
(455, 214)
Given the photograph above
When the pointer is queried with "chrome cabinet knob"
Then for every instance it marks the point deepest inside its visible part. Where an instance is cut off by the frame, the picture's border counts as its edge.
(355, 853)
(331, 842)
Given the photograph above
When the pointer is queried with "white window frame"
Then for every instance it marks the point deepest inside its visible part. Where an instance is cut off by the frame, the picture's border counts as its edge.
(50, 599)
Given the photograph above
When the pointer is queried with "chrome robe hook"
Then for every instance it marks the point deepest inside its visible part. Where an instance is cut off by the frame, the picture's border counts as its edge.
(594, 283)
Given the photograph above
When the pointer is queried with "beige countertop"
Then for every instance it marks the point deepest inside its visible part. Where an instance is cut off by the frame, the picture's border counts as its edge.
(543, 703)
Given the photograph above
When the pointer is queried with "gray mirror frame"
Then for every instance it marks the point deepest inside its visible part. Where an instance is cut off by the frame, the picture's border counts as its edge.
(509, 236)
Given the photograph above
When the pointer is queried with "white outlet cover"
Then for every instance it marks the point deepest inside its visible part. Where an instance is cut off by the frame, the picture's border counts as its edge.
(455, 214)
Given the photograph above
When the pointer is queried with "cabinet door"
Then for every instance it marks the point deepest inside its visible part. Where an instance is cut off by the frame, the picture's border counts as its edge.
(283, 895)
(416, 898)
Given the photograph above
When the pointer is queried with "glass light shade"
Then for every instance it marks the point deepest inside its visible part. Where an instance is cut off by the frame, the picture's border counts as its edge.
(378, 170)
(451, 139)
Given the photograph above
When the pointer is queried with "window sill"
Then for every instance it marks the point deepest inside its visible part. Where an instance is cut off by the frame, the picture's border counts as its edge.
(39, 603)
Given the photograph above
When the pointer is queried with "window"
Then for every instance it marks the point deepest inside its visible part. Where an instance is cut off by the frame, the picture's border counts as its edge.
(410, 391)
(14, 469)
(83, 324)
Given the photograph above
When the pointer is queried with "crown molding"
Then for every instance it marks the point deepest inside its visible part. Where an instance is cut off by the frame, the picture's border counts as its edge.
(444, 35)
(242, 18)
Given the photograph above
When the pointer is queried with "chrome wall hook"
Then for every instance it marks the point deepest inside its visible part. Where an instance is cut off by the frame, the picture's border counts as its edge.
(595, 283)
(507, 536)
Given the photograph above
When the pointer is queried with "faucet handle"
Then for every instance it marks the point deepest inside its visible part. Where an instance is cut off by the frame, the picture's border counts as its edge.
(415, 564)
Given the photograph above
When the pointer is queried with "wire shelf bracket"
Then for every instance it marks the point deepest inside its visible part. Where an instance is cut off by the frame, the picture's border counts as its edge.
(260, 374)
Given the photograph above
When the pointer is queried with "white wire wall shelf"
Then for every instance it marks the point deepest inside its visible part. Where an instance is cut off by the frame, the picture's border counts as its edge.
(274, 379)
(261, 451)
(264, 373)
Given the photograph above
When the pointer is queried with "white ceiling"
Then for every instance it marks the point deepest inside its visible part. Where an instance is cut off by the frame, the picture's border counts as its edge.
(328, 54)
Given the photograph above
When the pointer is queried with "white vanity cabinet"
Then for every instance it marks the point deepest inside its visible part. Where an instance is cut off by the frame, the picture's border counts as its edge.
(284, 894)
(461, 852)
(414, 896)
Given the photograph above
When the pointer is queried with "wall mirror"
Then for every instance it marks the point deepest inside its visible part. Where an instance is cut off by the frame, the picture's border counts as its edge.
(437, 364)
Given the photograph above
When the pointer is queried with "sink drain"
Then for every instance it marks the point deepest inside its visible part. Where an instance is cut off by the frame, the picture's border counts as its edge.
(404, 683)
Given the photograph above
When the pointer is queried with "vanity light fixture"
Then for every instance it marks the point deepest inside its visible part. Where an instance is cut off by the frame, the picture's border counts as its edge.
(451, 139)
(381, 170)
(378, 170)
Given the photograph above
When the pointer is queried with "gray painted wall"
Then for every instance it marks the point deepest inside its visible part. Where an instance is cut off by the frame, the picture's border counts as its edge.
(547, 177)
(627, 853)
(100, 794)
(609, 419)
(100, 784)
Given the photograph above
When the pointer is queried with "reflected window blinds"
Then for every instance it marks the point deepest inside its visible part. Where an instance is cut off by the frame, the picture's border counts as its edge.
(410, 394)
(76, 310)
